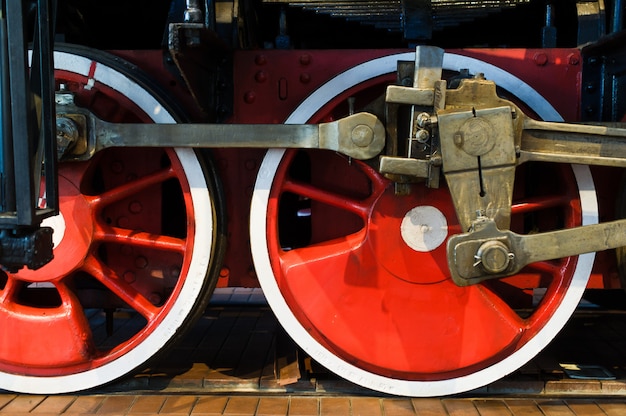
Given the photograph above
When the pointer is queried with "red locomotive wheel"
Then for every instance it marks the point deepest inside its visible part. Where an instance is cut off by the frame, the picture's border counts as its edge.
(358, 275)
(136, 248)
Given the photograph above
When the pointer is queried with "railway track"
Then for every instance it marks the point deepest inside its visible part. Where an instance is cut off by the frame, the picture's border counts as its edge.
(238, 361)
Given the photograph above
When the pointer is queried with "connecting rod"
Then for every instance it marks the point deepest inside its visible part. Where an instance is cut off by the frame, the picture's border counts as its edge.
(360, 136)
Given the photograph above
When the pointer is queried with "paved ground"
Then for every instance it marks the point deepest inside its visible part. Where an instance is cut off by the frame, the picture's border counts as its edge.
(237, 361)
(205, 405)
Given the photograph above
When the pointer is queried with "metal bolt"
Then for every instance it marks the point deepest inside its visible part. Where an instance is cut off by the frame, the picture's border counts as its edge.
(423, 120)
(590, 110)
(64, 98)
(67, 133)
(494, 256)
(436, 160)
(573, 59)
(362, 135)
(422, 135)
(540, 59)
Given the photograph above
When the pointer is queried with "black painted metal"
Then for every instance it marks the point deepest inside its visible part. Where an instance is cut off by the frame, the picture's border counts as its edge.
(29, 136)
(604, 80)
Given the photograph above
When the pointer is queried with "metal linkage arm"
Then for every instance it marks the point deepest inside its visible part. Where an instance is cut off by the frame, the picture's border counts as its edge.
(503, 137)
(360, 136)
(573, 143)
(489, 253)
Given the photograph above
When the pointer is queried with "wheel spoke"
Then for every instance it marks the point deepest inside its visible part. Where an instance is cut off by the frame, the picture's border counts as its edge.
(139, 239)
(538, 203)
(131, 188)
(7, 295)
(547, 267)
(117, 285)
(326, 197)
(332, 254)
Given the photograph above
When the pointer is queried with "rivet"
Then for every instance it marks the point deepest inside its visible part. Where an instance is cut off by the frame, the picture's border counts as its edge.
(224, 273)
(573, 59)
(141, 262)
(129, 277)
(126, 250)
(155, 298)
(249, 97)
(260, 76)
(135, 207)
(305, 59)
(122, 222)
(260, 59)
(117, 167)
(175, 271)
(250, 164)
(305, 78)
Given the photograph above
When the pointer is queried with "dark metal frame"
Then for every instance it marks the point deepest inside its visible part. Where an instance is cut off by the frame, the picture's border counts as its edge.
(29, 138)
(604, 79)
(28, 134)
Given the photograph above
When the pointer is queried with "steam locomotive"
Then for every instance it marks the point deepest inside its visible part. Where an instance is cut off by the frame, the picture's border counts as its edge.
(423, 189)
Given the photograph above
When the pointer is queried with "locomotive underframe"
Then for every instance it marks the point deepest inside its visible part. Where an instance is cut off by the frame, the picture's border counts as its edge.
(474, 136)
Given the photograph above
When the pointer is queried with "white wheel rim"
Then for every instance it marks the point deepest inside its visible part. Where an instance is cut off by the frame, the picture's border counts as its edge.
(287, 319)
(202, 245)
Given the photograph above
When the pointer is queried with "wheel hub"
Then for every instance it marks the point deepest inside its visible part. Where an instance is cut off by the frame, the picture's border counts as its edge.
(424, 228)
(407, 236)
